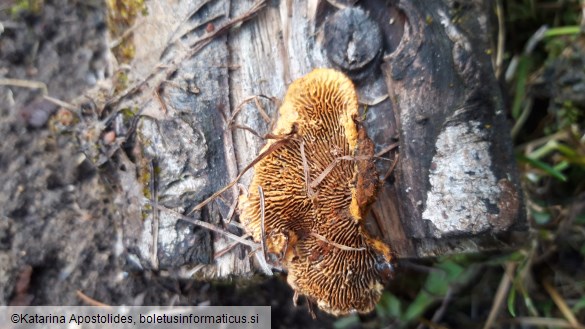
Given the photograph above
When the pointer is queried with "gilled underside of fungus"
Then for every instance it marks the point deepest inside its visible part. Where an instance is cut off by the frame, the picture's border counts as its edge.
(317, 184)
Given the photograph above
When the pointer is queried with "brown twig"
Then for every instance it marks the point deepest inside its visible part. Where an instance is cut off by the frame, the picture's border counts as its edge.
(207, 21)
(261, 156)
(243, 127)
(189, 273)
(375, 101)
(89, 300)
(561, 304)
(211, 227)
(439, 312)
(191, 13)
(332, 165)
(259, 107)
(261, 110)
(391, 169)
(500, 294)
(61, 103)
(232, 211)
(336, 245)
(386, 149)
(160, 101)
(501, 39)
(229, 247)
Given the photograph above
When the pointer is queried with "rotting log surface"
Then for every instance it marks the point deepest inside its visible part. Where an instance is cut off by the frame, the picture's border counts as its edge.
(205, 86)
(457, 178)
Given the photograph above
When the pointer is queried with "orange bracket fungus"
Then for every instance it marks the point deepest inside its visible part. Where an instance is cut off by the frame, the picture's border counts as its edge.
(308, 197)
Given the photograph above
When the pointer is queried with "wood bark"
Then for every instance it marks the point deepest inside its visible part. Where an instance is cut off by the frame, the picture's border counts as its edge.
(205, 86)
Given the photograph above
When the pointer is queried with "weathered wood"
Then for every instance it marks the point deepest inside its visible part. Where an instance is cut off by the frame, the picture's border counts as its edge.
(457, 177)
(208, 77)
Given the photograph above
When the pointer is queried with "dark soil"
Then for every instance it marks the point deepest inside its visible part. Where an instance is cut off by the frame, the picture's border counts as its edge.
(58, 221)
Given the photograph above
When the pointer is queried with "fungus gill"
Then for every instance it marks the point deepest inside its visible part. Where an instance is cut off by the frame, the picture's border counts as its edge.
(316, 188)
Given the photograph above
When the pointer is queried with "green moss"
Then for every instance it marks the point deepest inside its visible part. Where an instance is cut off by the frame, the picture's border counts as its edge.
(32, 6)
(429, 19)
(120, 81)
(122, 15)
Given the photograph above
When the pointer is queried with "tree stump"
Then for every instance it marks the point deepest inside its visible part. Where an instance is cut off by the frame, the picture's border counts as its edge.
(205, 85)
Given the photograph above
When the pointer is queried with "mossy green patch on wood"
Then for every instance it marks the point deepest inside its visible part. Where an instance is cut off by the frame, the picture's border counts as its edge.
(122, 15)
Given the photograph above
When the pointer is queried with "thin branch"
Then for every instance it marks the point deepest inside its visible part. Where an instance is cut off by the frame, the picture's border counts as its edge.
(500, 294)
(261, 110)
(209, 20)
(561, 304)
(262, 155)
(332, 165)
(30, 84)
(160, 102)
(188, 17)
(124, 35)
(239, 109)
(443, 308)
(501, 39)
(61, 103)
(189, 273)
(90, 301)
(232, 211)
(386, 149)
(211, 227)
(375, 101)
(229, 247)
(391, 169)
(337, 245)
(243, 127)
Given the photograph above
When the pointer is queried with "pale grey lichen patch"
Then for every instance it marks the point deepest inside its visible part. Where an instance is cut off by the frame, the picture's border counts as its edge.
(462, 184)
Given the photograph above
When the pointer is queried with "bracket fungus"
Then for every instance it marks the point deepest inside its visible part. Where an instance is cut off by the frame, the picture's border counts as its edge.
(317, 182)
